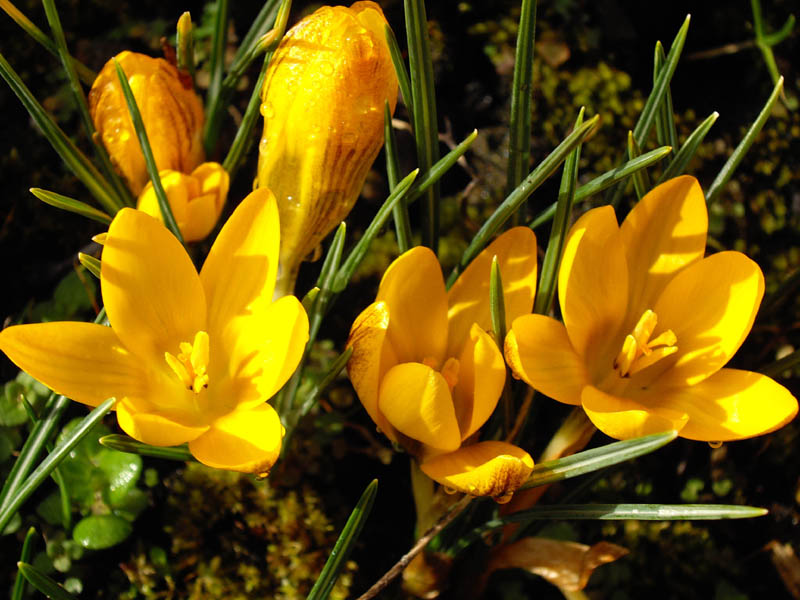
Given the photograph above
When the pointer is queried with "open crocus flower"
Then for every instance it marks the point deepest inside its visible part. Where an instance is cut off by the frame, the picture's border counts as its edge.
(171, 111)
(323, 103)
(430, 375)
(196, 199)
(190, 358)
(649, 324)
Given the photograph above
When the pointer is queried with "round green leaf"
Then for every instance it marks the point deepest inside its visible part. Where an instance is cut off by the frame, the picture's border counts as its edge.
(101, 531)
(122, 471)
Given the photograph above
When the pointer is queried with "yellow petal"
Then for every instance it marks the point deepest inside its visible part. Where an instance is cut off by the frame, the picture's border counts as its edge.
(415, 297)
(172, 114)
(323, 101)
(415, 399)
(623, 419)
(151, 290)
(539, 352)
(731, 405)
(468, 299)
(710, 306)
(267, 346)
(82, 361)
(664, 232)
(241, 267)
(370, 360)
(248, 441)
(156, 428)
(495, 469)
(593, 286)
(481, 377)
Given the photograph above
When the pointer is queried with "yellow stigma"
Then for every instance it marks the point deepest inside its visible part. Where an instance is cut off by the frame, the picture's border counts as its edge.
(639, 351)
(191, 363)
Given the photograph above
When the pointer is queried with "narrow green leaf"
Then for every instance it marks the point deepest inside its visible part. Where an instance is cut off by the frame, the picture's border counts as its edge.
(34, 444)
(772, 39)
(123, 195)
(91, 263)
(497, 304)
(426, 129)
(430, 177)
(43, 583)
(258, 28)
(244, 138)
(184, 42)
(71, 205)
(358, 253)
(677, 165)
(75, 160)
(638, 512)
(552, 258)
(25, 557)
(788, 362)
(503, 212)
(149, 159)
(519, 132)
(329, 378)
(219, 40)
(729, 167)
(344, 545)
(647, 117)
(400, 212)
(665, 117)
(400, 69)
(318, 303)
(123, 443)
(85, 73)
(16, 499)
(587, 461)
(641, 182)
(604, 181)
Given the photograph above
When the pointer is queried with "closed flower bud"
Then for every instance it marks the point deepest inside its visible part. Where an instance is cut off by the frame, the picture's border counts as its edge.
(172, 114)
(323, 102)
(196, 200)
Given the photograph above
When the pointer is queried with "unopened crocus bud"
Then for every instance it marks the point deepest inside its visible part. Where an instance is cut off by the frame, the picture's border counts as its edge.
(196, 199)
(171, 111)
(323, 102)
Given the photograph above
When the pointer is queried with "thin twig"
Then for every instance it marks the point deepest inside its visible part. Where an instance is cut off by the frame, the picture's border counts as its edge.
(401, 564)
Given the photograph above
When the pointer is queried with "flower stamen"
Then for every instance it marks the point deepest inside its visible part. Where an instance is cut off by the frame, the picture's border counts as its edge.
(639, 351)
(191, 364)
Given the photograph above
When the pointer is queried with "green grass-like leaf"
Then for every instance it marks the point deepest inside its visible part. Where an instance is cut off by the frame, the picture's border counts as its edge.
(681, 159)
(18, 497)
(426, 129)
(123, 443)
(149, 159)
(509, 206)
(216, 68)
(25, 556)
(733, 161)
(344, 545)
(91, 263)
(49, 587)
(71, 205)
(546, 289)
(641, 182)
(666, 131)
(403, 81)
(402, 224)
(638, 512)
(587, 461)
(519, 131)
(75, 160)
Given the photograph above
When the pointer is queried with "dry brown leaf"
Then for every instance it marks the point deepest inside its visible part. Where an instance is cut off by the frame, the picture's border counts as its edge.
(788, 565)
(567, 565)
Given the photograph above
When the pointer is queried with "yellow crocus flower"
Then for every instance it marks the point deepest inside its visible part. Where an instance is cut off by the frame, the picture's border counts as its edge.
(190, 357)
(171, 111)
(649, 324)
(323, 102)
(196, 199)
(430, 375)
